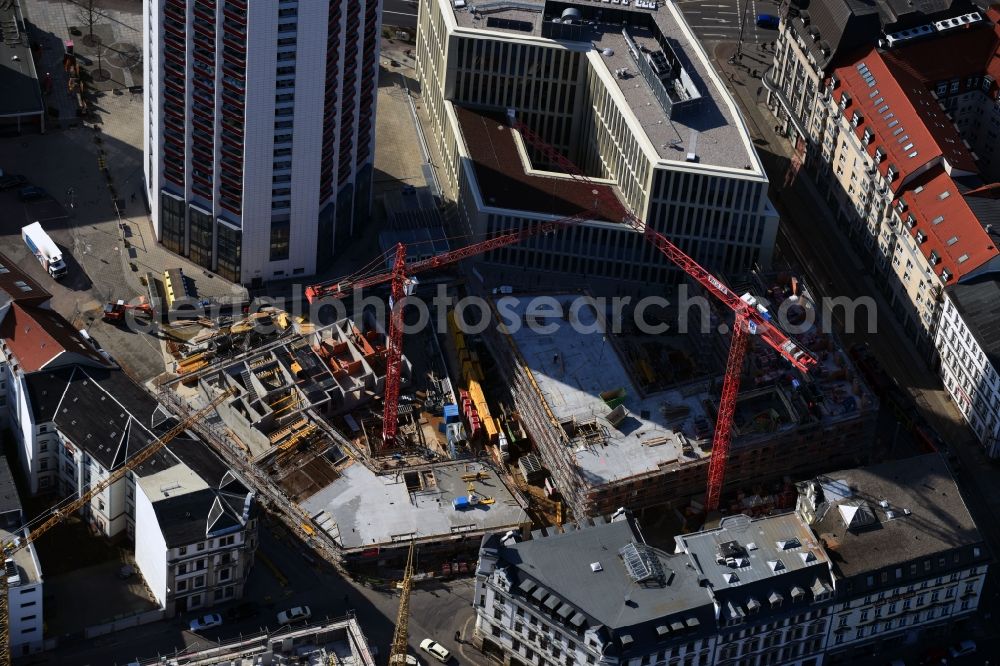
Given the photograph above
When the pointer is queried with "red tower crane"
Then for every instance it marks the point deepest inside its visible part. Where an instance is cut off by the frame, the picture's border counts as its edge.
(748, 320)
(398, 277)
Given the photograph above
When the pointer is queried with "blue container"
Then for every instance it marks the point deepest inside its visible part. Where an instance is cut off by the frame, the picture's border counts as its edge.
(450, 413)
(460, 503)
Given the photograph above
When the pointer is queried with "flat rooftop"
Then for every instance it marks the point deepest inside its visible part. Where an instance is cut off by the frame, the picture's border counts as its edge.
(339, 641)
(710, 130)
(362, 508)
(924, 514)
(22, 95)
(572, 369)
(503, 181)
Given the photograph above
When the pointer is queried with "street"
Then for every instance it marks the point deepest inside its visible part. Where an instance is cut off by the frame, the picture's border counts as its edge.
(400, 13)
(286, 575)
(720, 20)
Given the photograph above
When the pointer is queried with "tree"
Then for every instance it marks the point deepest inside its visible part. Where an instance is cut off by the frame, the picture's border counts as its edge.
(88, 16)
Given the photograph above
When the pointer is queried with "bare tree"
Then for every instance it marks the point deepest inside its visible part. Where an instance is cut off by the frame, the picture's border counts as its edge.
(88, 15)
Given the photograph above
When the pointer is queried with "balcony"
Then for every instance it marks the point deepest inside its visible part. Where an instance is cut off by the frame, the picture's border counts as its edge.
(235, 14)
(206, 28)
(174, 12)
(204, 14)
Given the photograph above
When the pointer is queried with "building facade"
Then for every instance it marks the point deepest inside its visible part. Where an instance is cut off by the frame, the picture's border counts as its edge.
(23, 571)
(839, 577)
(196, 541)
(76, 416)
(969, 356)
(902, 144)
(633, 113)
(260, 122)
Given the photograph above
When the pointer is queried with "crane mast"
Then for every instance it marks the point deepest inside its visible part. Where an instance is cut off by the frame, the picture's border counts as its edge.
(58, 515)
(400, 635)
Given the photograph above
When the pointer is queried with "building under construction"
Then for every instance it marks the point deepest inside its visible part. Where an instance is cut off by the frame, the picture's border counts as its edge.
(286, 397)
(306, 412)
(628, 419)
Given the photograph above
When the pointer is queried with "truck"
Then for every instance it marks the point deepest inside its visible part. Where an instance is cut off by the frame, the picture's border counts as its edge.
(44, 249)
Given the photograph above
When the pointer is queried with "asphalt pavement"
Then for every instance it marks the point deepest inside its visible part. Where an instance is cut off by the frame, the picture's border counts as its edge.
(721, 20)
(284, 575)
(400, 13)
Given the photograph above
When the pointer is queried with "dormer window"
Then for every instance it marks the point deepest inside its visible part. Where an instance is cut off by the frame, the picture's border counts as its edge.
(892, 173)
(901, 205)
(775, 600)
(945, 275)
(879, 155)
(855, 119)
(921, 237)
(845, 100)
(868, 136)
(933, 258)
(911, 221)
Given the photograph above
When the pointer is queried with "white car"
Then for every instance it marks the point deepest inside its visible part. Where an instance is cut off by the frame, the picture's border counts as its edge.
(435, 649)
(297, 614)
(206, 622)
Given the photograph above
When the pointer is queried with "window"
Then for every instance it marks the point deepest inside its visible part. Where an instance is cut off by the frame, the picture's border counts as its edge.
(280, 234)
(201, 546)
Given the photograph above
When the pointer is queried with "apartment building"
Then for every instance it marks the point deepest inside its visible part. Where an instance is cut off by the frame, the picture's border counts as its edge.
(76, 416)
(196, 532)
(23, 571)
(626, 92)
(840, 576)
(906, 556)
(595, 593)
(260, 133)
(966, 338)
(816, 37)
(900, 141)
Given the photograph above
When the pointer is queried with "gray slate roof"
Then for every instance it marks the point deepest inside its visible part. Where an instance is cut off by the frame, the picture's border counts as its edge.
(9, 500)
(978, 303)
(768, 561)
(559, 567)
(938, 519)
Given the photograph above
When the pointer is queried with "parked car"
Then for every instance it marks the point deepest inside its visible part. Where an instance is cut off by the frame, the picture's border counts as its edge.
(963, 648)
(31, 193)
(769, 21)
(206, 622)
(297, 614)
(12, 180)
(243, 611)
(435, 649)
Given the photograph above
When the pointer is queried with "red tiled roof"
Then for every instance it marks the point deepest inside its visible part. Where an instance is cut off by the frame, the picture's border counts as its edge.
(503, 183)
(967, 49)
(952, 230)
(36, 336)
(993, 61)
(18, 285)
(896, 105)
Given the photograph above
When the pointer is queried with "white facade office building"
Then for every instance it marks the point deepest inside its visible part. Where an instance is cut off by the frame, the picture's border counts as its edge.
(259, 142)
(626, 92)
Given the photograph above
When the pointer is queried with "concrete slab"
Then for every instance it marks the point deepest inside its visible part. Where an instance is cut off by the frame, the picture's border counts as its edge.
(572, 368)
(362, 508)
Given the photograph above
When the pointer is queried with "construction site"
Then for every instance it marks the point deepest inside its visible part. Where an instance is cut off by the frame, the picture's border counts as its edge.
(305, 410)
(629, 419)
